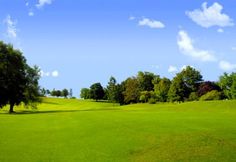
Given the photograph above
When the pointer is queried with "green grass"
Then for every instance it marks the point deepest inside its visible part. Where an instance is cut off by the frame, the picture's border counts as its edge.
(71, 130)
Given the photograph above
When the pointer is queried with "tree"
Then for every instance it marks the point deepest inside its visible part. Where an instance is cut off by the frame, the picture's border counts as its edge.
(96, 91)
(112, 90)
(184, 83)
(145, 81)
(64, 93)
(227, 84)
(18, 81)
(85, 93)
(161, 89)
(132, 90)
(177, 90)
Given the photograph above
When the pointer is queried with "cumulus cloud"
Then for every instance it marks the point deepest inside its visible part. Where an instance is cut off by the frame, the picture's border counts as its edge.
(227, 66)
(11, 27)
(172, 69)
(210, 16)
(55, 73)
(151, 23)
(41, 3)
(185, 44)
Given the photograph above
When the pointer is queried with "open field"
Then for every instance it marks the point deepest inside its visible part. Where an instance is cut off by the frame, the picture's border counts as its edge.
(72, 130)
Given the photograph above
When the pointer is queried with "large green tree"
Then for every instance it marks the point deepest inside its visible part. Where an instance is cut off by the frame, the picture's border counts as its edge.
(97, 91)
(145, 80)
(132, 90)
(161, 89)
(18, 81)
(227, 83)
(185, 82)
(85, 93)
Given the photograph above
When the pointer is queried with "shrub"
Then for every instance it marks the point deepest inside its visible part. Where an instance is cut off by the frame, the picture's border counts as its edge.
(193, 96)
(151, 101)
(212, 95)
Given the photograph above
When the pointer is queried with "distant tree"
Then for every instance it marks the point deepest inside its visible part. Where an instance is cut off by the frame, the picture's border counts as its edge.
(48, 92)
(206, 87)
(96, 91)
(71, 93)
(112, 90)
(161, 89)
(18, 81)
(85, 93)
(43, 92)
(58, 93)
(64, 93)
(132, 90)
(53, 93)
(145, 80)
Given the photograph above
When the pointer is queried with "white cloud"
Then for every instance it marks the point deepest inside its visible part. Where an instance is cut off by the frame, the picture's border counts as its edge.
(210, 16)
(41, 3)
(220, 30)
(11, 27)
(172, 69)
(31, 13)
(185, 44)
(151, 23)
(132, 18)
(55, 73)
(227, 66)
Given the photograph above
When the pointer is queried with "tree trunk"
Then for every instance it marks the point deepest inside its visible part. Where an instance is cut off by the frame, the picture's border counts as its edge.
(11, 108)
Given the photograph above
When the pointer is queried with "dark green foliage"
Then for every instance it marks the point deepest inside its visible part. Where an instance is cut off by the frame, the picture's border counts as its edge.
(97, 91)
(18, 81)
(145, 80)
(184, 83)
(145, 96)
(212, 95)
(64, 93)
(132, 90)
(177, 90)
(151, 101)
(193, 96)
(161, 89)
(85, 93)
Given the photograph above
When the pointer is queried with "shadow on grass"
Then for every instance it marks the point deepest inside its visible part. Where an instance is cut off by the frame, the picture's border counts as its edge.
(28, 112)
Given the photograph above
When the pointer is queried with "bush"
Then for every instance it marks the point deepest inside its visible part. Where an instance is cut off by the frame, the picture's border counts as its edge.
(193, 96)
(212, 95)
(151, 101)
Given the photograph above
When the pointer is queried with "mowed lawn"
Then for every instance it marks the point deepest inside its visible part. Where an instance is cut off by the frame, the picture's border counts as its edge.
(73, 130)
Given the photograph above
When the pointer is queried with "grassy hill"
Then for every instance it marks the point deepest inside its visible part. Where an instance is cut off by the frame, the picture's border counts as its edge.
(72, 130)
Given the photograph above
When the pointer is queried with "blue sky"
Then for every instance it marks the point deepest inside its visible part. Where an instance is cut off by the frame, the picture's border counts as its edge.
(79, 42)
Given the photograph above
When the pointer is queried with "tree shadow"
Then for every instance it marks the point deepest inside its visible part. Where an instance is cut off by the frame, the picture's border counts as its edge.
(29, 112)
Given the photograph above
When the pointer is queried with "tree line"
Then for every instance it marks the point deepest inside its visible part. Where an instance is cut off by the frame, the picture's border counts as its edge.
(56, 93)
(187, 85)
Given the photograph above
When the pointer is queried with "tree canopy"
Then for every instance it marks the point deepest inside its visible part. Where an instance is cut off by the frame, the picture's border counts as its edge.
(18, 81)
